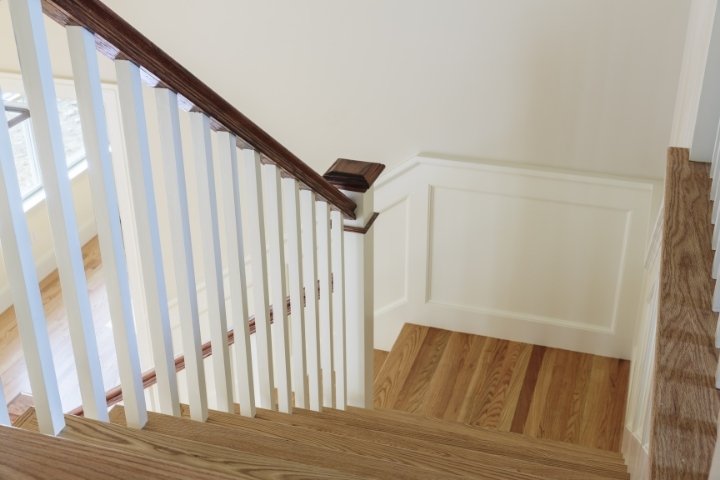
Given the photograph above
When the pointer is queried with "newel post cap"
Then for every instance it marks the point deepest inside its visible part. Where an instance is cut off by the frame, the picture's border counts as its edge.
(353, 175)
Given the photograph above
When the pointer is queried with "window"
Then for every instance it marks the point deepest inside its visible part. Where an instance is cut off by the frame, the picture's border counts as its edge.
(23, 143)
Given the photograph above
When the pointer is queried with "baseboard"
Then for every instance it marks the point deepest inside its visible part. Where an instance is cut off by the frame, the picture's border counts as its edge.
(636, 457)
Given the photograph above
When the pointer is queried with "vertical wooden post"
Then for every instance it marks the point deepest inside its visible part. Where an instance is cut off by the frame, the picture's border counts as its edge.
(325, 303)
(4, 414)
(107, 213)
(338, 304)
(276, 269)
(355, 179)
(310, 279)
(20, 266)
(34, 56)
(258, 255)
(230, 194)
(291, 208)
(182, 254)
(212, 261)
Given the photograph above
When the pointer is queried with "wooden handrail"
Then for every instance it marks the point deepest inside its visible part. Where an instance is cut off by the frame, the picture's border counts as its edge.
(117, 39)
(149, 378)
(685, 402)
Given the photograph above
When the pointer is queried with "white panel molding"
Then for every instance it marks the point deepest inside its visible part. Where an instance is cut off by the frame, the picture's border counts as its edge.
(403, 298)
(525, 316)
(515, 170)
(623, 202)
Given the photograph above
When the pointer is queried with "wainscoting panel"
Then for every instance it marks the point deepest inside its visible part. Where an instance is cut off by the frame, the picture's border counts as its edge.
(532, 255)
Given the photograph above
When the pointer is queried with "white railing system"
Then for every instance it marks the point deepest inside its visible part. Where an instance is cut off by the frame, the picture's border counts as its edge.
(308, 245)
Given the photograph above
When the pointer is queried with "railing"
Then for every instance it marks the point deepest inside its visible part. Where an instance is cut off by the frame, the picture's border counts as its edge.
(301, 232)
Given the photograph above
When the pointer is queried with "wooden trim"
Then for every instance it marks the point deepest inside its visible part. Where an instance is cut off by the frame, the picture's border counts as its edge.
(149, 378)
(353, 175)
(117, 39)
(366, 228)
(685, 402)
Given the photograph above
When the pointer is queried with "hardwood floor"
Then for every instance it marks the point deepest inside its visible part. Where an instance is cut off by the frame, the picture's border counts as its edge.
(508, 386)
(12, 365)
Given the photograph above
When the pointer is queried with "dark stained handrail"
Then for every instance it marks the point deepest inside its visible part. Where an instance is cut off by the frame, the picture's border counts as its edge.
(117, 39)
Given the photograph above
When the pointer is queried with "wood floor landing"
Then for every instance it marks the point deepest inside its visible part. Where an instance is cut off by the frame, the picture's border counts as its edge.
(508, 386)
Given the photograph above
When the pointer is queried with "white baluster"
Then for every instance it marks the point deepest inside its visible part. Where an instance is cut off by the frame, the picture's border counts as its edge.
(182, 255)
(230, 195)
(338, 303)
(32, 48)
(256, 224)
(714, 167)
(4, 414)
(105, 202)
(209, 233)
(20, 267)
(281, 344)
(312, 324)
(143, 199)
(291, 207)
(325, 304)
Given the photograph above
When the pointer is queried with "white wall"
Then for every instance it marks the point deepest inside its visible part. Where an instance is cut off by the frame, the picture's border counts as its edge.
(694, 62)
(533, 255)
(578, 84)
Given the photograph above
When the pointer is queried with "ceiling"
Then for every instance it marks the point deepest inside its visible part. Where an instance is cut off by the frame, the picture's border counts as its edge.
(574, 84)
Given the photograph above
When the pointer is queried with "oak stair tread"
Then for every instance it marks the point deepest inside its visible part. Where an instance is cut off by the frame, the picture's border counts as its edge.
(301, 449)
(394, 456)
(27, 455)
(359, 457)
(400, 450)
(448, 438)
(217, 461)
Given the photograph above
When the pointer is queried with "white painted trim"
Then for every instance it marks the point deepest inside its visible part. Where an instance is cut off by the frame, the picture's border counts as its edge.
(512, 169)
(624, 202)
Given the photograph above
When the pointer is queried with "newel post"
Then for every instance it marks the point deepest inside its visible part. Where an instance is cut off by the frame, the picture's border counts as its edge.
(356, 179)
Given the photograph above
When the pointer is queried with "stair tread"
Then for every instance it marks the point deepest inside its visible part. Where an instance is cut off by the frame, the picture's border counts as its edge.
(299, 451)
(215, 461)
(472, 430)
(504, 444)
(394, 449)
(34, 455)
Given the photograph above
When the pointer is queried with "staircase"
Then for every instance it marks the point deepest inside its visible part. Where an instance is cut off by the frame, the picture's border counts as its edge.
(356, 443)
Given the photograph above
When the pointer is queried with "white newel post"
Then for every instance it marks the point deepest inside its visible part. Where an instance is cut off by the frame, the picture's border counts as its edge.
(355, 179)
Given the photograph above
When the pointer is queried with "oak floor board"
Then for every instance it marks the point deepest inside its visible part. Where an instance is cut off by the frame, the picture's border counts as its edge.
(379, 357)
(463, 376)
(522, 406)
(411, 397)
(487, 382)
(397, 366)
